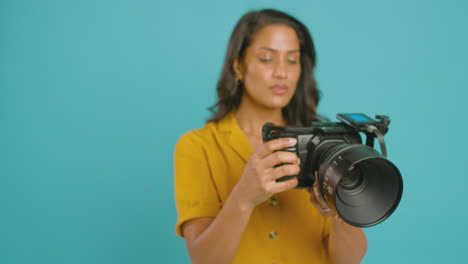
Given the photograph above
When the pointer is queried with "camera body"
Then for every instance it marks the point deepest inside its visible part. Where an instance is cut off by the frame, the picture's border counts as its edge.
(316, 143)
(355, 180)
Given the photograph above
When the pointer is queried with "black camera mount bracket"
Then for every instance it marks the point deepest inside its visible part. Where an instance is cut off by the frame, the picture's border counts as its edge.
(372, 128)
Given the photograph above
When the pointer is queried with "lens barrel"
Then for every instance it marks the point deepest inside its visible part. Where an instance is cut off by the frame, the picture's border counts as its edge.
(361, 185)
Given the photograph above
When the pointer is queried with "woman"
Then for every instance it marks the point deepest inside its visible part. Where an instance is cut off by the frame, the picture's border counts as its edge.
(231, 208)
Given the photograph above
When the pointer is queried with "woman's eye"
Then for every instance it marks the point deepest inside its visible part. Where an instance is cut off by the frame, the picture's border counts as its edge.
(265, 60)
(292, 61)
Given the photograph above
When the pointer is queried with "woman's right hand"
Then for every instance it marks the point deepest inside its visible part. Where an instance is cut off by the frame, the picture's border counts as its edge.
(258, 182)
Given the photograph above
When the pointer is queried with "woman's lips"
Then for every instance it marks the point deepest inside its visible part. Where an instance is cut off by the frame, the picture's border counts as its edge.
(279, 89)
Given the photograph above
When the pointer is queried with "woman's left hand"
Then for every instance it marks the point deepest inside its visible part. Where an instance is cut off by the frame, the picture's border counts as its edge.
(317, 200)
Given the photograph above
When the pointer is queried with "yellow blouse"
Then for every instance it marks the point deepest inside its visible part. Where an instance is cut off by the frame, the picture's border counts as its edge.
(209, 162)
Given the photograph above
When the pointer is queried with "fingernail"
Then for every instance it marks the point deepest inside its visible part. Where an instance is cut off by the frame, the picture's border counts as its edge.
(292, 141)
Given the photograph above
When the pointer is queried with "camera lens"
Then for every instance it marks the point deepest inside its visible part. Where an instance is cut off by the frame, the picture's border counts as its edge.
(365, 187)
(352, 181)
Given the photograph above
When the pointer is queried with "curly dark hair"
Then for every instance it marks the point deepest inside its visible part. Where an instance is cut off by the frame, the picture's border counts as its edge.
(301, 110)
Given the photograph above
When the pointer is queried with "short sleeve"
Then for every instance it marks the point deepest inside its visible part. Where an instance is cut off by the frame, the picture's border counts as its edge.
(195, 192)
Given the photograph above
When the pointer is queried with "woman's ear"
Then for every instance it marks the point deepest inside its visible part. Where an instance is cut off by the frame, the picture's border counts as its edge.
(238, 69)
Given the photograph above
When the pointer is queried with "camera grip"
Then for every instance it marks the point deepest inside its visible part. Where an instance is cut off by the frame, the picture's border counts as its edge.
(292, 149)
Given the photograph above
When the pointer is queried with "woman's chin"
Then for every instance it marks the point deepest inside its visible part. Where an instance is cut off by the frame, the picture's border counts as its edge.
(274, 102)
(280, 102)
(277, 104)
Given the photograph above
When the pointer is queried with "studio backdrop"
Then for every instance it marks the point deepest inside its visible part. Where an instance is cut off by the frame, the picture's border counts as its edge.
(95, 94)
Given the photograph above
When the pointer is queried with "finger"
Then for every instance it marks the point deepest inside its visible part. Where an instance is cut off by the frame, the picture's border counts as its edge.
(284, 170)
(280, 157)
(318, 197)
(276, 144)
(284, 185)
(323, 209)
(313, 199)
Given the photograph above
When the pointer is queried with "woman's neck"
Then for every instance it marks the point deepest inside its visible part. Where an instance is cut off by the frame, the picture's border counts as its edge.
(251, 118)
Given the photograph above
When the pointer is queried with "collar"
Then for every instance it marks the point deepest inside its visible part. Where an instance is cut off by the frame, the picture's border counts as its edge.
(236, 138)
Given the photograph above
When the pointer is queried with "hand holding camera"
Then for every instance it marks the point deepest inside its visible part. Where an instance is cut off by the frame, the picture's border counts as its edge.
(260, 178)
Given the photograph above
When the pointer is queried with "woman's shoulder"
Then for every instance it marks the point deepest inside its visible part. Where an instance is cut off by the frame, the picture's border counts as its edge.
(199, 138)
(208, 133)
(199, 133)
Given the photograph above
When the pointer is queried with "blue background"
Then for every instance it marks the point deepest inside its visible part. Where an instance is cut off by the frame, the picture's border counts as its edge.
(94, 95)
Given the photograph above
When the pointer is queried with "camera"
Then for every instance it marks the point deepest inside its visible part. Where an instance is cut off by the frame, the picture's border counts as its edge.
(354, 179)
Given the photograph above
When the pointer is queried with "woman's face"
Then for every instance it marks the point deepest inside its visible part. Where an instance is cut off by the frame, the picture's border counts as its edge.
(271, 67)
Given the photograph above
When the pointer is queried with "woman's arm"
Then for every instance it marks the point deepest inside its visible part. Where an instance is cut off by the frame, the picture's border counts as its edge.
(215, 240)
(346, 243)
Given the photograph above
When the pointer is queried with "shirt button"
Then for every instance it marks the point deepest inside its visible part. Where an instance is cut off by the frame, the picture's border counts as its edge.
(273, 235)
(273, 201)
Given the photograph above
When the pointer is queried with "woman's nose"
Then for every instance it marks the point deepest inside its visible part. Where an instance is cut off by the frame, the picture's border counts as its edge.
(280, 70)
